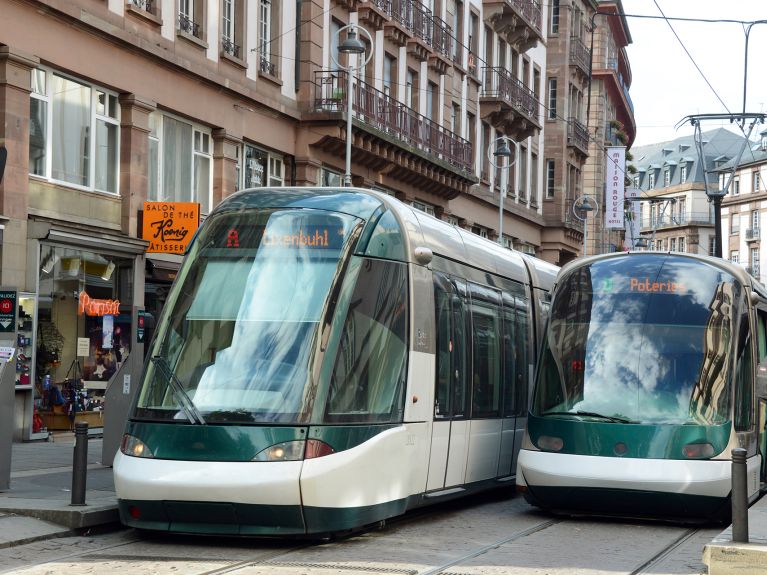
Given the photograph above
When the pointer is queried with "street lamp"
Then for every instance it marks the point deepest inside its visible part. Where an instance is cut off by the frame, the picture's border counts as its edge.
(504, 158)
(352, 46)
(585, 204)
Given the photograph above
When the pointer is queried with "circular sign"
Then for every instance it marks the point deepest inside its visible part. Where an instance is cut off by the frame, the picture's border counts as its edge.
(6, 306)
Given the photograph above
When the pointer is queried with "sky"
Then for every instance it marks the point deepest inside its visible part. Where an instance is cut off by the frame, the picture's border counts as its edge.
(666, 86)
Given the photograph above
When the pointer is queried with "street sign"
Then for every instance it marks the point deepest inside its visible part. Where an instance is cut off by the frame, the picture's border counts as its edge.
(7, 311)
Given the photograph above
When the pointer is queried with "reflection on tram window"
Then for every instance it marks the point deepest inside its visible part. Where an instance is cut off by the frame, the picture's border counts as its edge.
(649, 345)
(239, 336)
(369, 374)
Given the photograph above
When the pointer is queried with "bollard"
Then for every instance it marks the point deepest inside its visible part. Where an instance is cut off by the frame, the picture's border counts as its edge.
(739, 496)
(80, 463)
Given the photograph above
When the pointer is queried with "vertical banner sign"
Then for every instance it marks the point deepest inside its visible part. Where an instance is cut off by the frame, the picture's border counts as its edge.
(633, 215)
(614, 173)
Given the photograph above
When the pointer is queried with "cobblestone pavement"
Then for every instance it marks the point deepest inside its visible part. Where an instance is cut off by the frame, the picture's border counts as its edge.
(479, 536)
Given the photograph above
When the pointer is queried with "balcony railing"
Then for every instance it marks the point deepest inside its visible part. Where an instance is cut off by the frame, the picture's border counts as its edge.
(188, 25)
(422, 24)
(531, 10)
(267, 67)
(580, 55)
(442, 39)
(382, 112)
(146, 5)
(752, 234)
(577, 135)
(671, 220)
(230, 47)
(753, 270)
(402, 12)
(499, 83)
(570, 218)
(612, 64)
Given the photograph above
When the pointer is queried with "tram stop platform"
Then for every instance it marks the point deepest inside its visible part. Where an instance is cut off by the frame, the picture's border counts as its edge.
(725, 557)
(37, 504)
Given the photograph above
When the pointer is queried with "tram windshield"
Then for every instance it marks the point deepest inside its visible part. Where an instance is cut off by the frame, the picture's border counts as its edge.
(640, 339)
(241, 323)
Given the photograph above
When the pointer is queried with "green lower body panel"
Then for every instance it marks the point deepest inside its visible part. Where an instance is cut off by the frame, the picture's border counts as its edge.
(246, 519)
(629, 503)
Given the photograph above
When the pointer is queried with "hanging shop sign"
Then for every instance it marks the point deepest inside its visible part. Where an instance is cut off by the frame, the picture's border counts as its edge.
(97, 307)
(169, 226)
(7, 311)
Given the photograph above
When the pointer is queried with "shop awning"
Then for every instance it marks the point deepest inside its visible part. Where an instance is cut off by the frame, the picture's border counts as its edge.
(96, 240)
(162, 270)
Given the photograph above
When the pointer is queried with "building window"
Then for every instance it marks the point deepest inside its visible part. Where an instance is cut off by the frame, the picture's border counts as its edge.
(424, 207)
(755, 219)
(268, 49)
(508, 242)
(74, 132)
(734, 256)
(666, 177)
(232, 18)
(554, 24)
(651, 180)
(330, 179)
(711, 245)
(452, 220)
(522, 161)
(756, 181)
(636, 182)
(191, 17)
(682, 174)
(735, 224)
(264, 169)
(180, 162)
(552, 114)
(550, 173)
(480, 231)
(411, 89)
(390, 75)
(682, 244)
(672, 244)
(455, 119)
(735, 186)
(755, 262)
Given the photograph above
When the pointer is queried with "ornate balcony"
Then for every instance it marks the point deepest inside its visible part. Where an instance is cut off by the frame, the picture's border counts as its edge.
(578, 136)
(752, 234)
(230, 48)
(507, 104)
(146, 5)
(580, 57)
(267, 67)
(518, 21)
(392, 138)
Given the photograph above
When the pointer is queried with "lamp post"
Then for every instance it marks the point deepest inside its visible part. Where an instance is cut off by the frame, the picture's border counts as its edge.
(501, 150)
(585, 204)
(351, 46)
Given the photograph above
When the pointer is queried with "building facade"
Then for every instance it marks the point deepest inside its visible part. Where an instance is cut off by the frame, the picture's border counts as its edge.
(610, 114)
(568, 65)
(744, 209)
(675, 212)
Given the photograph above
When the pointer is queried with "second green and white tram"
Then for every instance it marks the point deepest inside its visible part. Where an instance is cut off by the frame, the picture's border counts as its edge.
(652, 371)
(327, 359)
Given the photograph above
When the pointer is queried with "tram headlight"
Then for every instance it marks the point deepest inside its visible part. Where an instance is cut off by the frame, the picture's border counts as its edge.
(698, 450)
(285, 451)
(134, 447)
(550, 443)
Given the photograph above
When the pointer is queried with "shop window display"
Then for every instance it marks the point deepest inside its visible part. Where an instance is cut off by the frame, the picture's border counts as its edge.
(84, 332)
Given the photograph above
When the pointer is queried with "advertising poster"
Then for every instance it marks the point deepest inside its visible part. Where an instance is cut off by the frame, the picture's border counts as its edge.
(108, 330)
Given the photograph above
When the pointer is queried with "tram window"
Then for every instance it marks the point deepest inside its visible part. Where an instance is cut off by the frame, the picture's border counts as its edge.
(761, 334)
(460, 357)
(367, 383)
(444, 348)
(486, 354)
(521, 355)
(744, 388)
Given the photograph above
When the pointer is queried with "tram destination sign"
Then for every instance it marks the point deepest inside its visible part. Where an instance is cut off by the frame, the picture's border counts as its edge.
(169, 226)
(7, 311)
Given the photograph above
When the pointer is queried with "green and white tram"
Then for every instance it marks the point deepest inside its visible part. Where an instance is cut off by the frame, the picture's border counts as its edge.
(329, 358)
(651, 372)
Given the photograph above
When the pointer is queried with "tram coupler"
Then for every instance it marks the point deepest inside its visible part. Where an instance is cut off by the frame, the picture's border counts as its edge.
(739, 496)
(80, 463)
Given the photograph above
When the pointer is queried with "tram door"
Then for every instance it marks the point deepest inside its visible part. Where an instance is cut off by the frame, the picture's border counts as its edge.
(450, 431)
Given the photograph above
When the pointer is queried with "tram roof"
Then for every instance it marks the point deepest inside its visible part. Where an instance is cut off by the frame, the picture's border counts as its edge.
(736, 270)
(419, 229)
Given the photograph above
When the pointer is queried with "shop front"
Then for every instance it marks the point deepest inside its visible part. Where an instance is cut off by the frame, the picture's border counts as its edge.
(76, 331)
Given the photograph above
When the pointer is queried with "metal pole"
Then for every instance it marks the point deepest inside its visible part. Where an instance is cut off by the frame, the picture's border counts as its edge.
(739, 496)
(585, 232)
(717, 199)
(348, 174)
(80, 463)
(504, 178)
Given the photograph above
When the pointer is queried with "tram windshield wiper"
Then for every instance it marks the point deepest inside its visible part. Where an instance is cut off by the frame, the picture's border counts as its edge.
(612, 418)
(187, 405)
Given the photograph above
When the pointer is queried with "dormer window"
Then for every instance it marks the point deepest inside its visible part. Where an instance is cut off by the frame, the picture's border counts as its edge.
(666, 177)
(764, 142)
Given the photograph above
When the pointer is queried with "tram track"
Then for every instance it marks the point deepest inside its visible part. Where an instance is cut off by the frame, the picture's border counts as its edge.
(663, 553)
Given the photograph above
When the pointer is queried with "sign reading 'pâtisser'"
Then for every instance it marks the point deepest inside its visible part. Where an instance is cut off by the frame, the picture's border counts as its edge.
(169, 226)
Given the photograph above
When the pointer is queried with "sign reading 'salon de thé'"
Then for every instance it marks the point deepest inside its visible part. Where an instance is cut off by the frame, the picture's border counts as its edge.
(169, 226)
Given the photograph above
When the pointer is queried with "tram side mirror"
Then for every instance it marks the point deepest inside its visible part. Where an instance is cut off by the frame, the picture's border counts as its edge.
(761, 380)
